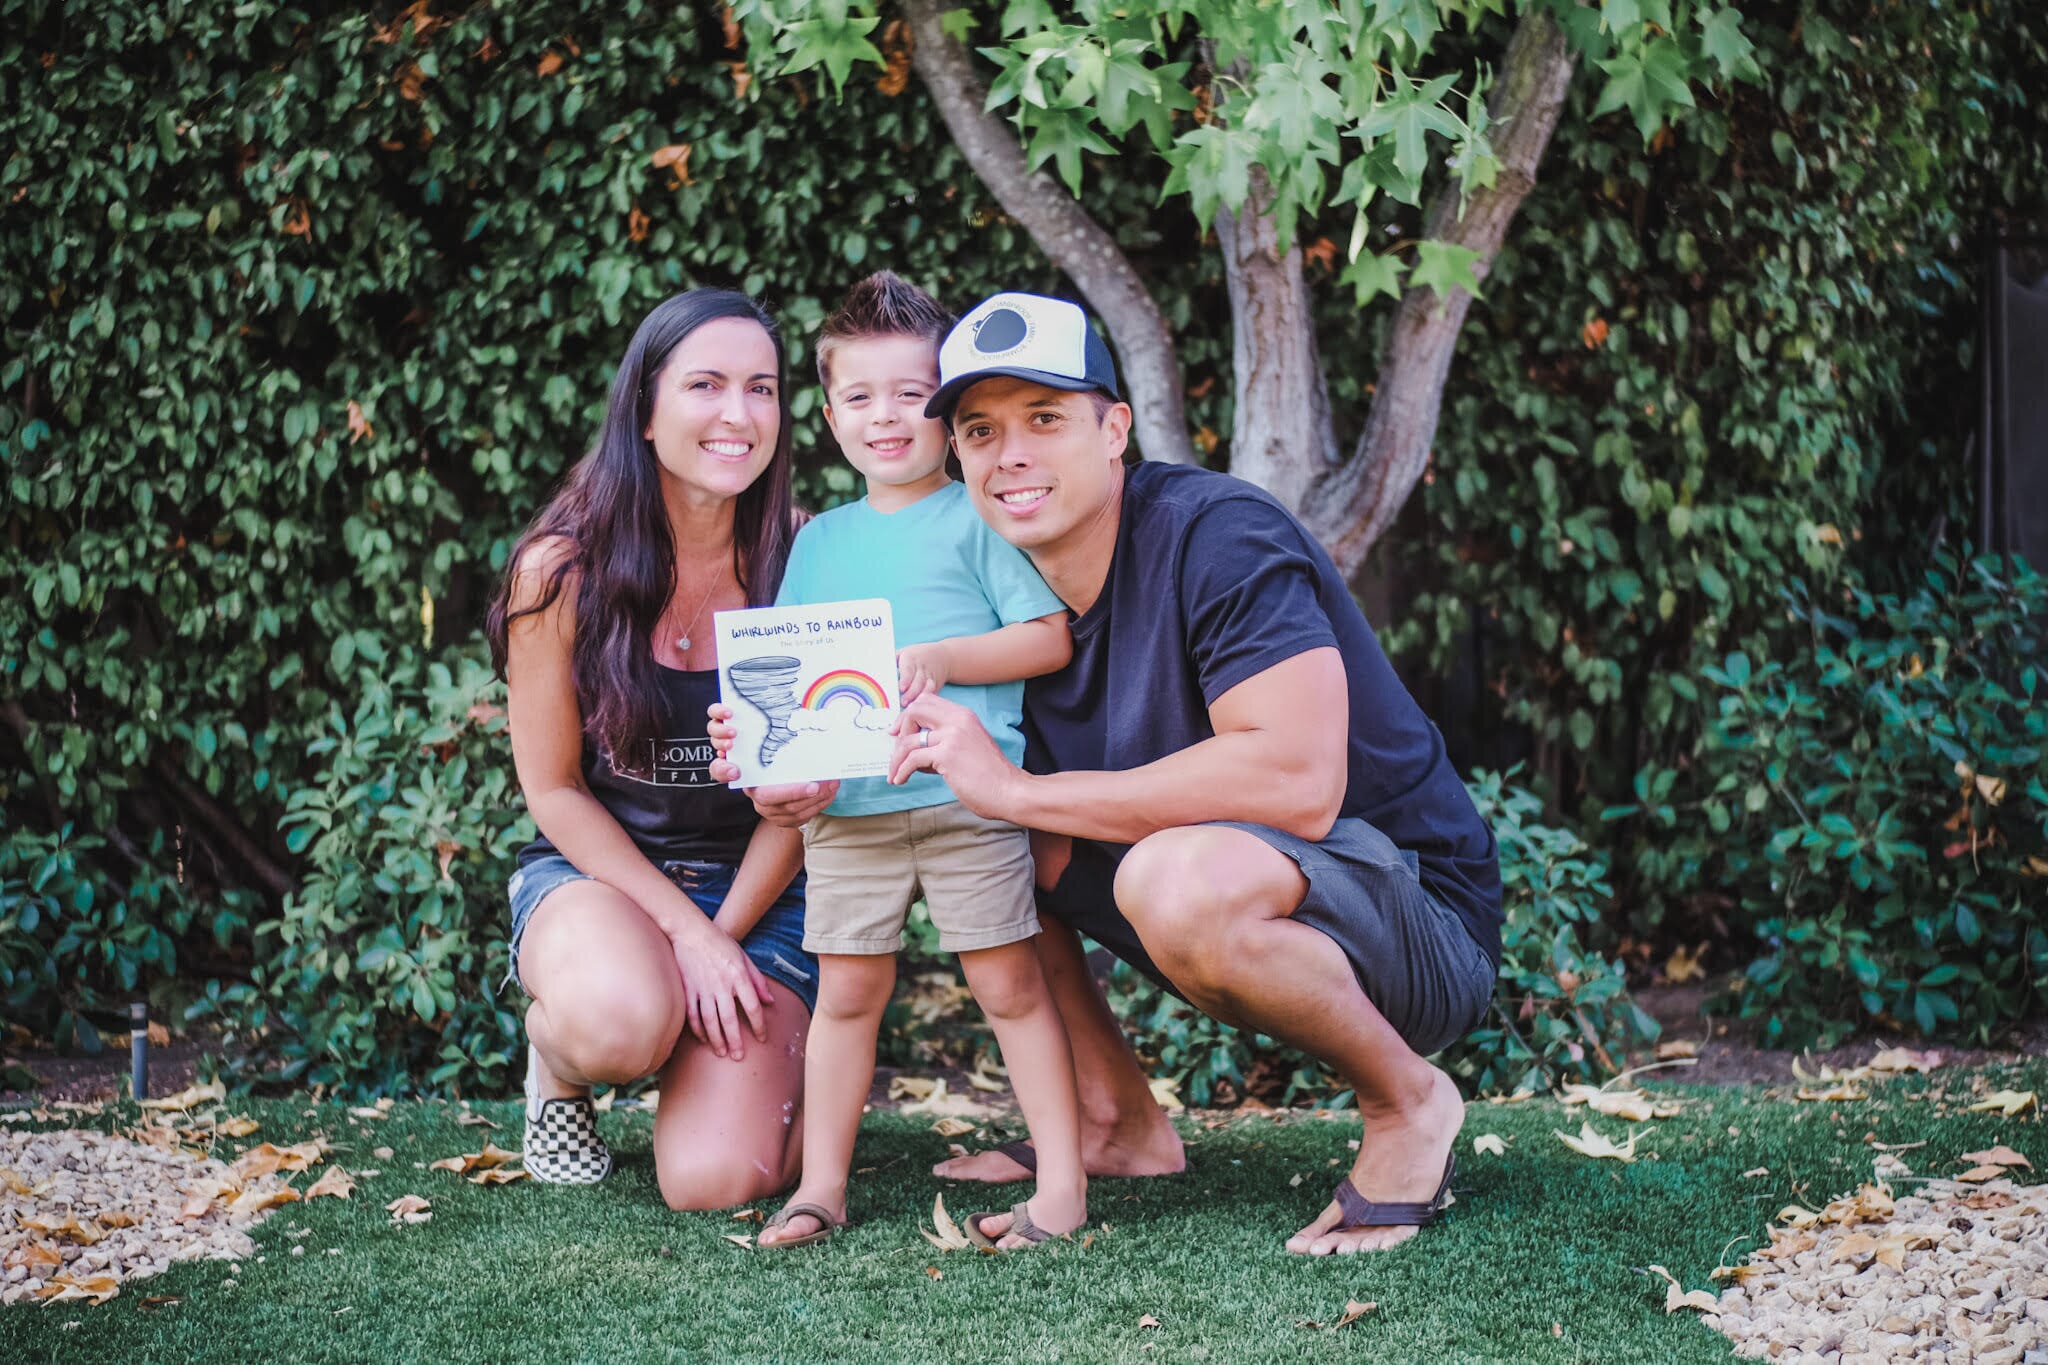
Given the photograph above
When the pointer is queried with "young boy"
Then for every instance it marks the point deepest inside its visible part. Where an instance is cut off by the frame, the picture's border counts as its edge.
(973, 619)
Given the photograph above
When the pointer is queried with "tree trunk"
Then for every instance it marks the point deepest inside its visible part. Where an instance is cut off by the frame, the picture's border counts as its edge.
(1355, 505)
(1281, 438)
(1072, 240)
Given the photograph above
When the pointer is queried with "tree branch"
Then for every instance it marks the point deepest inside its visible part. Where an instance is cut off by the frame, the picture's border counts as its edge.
(1072, 240)
(1355, 504)
(273, 878)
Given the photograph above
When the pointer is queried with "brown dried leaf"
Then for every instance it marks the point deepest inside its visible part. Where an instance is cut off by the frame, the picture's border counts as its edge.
(949, 1237)
(1741, 1274)
(1903, 1059)
(471, 1119)
(157, 1034)
(1798, 1217)
(191, 1097)
(64, 1288)
(2011, 1103)
(111, 1219)
(743, 1241)
(68, 1227)
(409, 1208)
(1855, 1246)
(1989, 1199)
(239, 1126)
(1787, 1244)
(1591, 1143)
(676, 158)
(33, 1254)
(1755, 1171)
(498, 1175)
(1353, 1311)
(550, 63)
(256, 1201)
(334, 1182)
(913, 1087)
(1681, 966)
(1977, 1175)
(1676, 1297)
(952, 1127)
(1489, 1142)
(1148, 1321)
(268, 1159)
(1840, 1094)
(2001, 1155)
(1677, 1048)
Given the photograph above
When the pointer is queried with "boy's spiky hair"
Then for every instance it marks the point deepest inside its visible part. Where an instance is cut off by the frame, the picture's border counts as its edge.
(882, 305)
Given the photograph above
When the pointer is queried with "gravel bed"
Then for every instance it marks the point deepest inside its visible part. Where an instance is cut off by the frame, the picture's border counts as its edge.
(83, 1212)
(1950, 1272)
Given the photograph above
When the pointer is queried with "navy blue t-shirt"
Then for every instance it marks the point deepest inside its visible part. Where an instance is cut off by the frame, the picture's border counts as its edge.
(1213, 581)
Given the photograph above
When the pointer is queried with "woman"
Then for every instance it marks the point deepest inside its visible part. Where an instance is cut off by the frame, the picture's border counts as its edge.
(657, 922)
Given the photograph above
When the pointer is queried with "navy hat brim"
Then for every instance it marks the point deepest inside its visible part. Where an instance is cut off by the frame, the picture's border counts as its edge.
(942, 403)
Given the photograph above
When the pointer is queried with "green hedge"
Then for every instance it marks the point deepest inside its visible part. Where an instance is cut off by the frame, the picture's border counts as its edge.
(304, 311)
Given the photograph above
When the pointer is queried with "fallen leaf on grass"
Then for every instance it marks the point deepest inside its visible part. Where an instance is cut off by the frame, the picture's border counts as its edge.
(1798, 1217)
(1353, 1311)
(1839, 1094)
(2011, 1103)
(1166, 1093)
(191, 1097)
(1676, 1297)
(1755, 1171)
(952, 1127)
(65, 1288)
(240, 1126)
(603, 1103)
(913, 1087)
(334, 1182)
(981, 1080)
(2001, 1155)
(1632, 1105)
(1148, 1321)
(490, 1157)
(1591, 1143)
(948, 1237)
(161, 1300)
(469, 1118)
(743, 1241)
(498, 1175)
(934, 1272)
(1677, 1048)
(256, 1201)
(268, 1159)
(1516, 1098)
(1903, 1059)
(380, 1110)
(1489, 1142)
(409, 1208)
(1977, 1175)
(749, 1216)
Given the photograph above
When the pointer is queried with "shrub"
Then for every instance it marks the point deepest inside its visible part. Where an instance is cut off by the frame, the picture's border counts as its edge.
(1879, 800)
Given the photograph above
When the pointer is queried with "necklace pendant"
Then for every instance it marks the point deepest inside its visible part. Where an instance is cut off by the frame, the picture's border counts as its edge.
(683, 643)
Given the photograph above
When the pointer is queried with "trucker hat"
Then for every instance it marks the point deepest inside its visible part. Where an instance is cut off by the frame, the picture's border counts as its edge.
(1022, 336)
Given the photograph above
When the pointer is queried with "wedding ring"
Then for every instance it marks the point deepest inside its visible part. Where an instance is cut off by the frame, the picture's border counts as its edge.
(924, 738)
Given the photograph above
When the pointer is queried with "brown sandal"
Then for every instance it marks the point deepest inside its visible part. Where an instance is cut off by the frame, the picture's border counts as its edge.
(1360, 1212)
(828, 1226)
(1020, 1226)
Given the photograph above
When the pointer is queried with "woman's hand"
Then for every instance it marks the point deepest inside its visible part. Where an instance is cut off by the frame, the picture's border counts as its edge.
(721, 983)
(921, 669)
(788, 804)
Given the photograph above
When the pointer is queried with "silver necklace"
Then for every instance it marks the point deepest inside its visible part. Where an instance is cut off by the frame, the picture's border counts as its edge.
(683, 640)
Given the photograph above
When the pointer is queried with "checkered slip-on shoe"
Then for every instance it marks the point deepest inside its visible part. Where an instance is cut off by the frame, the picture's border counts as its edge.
(562, 1146)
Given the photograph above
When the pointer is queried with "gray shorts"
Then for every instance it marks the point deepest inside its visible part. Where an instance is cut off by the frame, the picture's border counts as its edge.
(1412, 955)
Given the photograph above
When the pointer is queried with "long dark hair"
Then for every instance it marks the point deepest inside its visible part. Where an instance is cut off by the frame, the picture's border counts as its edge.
(610, 510)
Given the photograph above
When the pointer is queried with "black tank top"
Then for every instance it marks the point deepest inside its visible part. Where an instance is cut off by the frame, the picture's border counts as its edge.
(662, 791)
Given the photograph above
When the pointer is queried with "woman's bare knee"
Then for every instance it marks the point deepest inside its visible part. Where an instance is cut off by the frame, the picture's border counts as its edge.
(708, 1181)
(607, 1041)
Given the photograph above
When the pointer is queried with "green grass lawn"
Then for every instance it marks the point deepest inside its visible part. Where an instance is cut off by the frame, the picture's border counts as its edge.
(1540, 1236)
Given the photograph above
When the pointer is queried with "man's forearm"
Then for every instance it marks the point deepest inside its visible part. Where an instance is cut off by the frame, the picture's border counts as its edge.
(1232, 776)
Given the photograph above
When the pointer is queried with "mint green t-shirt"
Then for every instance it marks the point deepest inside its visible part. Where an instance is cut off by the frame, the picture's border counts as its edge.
(945, 574)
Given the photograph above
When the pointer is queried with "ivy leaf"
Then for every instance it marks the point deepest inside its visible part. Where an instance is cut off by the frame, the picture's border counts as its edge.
(1444, 266)
(1650, 83)
(835, 42)
(1372, 275)
(1724, 43)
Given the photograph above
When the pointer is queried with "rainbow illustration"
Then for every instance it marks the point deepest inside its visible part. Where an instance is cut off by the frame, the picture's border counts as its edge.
(844, 682)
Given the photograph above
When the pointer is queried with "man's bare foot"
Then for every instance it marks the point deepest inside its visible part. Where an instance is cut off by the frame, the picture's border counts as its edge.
(1148, 1148)
(1401, 1159)
(1056, 1214)
(804, 1224)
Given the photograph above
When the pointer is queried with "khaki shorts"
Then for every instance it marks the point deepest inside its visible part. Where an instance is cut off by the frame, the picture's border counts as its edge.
(865, 870)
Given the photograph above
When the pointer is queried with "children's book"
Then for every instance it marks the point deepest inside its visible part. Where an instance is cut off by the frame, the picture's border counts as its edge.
(812, 690)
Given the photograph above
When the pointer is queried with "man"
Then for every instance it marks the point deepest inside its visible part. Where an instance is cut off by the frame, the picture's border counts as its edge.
(1229, 786)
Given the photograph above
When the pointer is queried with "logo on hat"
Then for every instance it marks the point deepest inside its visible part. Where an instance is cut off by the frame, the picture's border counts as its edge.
(1001, 331)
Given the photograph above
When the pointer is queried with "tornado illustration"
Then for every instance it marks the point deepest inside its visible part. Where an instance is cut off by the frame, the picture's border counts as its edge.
(769, 684)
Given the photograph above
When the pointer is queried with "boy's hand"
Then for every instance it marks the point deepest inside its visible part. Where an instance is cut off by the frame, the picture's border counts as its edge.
(921, 669)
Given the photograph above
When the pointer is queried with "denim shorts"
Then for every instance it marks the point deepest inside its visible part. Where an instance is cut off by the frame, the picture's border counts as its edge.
(775, 943)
